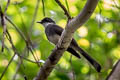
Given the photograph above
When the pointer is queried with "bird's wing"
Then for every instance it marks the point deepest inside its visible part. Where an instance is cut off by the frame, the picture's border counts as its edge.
(58, 30)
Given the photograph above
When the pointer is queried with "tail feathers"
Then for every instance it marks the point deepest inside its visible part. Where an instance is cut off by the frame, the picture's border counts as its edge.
(95, 64)
(73, 52)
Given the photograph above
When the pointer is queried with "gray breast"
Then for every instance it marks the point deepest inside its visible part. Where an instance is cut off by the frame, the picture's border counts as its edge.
(53, 38)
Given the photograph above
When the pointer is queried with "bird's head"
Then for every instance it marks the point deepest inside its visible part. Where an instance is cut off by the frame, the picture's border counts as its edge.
(46, 20)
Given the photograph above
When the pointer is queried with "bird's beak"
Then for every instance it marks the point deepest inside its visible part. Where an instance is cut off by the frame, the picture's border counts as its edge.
(39, 22)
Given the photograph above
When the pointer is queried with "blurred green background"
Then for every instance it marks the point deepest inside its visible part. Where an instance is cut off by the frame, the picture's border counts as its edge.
(99, 36)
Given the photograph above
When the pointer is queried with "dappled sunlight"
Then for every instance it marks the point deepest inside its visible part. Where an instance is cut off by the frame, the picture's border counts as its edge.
(4, 63)
(116, 52)
(23, 9)
(109, 4)
(37, 55)
(12, 10)
(73, 9)
(17, 19)
(72, 1)
(85, 69)
(108, 27)
(62, 23)
(15, 58)
(14, 36)
(82, 31)
(84, 42)
(63, 63)
(99, 18)
(53, 14)
(44, 36)
(108, 72)
(110, 35)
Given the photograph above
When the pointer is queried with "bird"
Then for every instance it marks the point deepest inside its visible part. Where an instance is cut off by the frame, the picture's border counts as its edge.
(53, 33)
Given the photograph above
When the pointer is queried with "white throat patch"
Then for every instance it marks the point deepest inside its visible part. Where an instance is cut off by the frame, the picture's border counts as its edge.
(46, 24)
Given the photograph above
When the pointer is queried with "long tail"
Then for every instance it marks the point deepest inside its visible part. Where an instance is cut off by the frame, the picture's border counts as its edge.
(95, 64)
(72, 51)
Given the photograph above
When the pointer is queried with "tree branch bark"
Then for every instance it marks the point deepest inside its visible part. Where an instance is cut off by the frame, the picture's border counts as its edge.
(115, 73)
(65, 39)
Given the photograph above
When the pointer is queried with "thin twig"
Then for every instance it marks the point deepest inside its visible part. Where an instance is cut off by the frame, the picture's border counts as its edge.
(28, 59)
(28, 41)
(100, 11)
(13, 47)
(36, 58)
(34, 16)
(17, 68)
(22, 35)
(43, 7)
(22, 19)
(64, 9)
(17, 29)
(20, 62)
(73, 73)
(7, 66)
(31, 49)
(118, 7)
(15, 50)
(20, 32)
(66, 2)
(3, 23)
(6, 7)
(4, 28)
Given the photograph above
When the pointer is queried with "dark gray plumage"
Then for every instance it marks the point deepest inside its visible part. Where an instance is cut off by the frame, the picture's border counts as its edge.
(53, 33)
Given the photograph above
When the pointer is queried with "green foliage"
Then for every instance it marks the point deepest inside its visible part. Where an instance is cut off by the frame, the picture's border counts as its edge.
(101, 39)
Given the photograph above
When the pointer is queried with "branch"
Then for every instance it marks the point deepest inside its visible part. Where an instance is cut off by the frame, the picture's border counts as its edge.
(64, 9)
(65, 39)
(4, 28)
(17, 29)
(34, 16)
(15, 52)
(7, 66)
(43, 5)
(6, 7)
(115, 73)
(3, 23)
(66, 2)
(73, 76)
(17, 68)
(28, 42)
